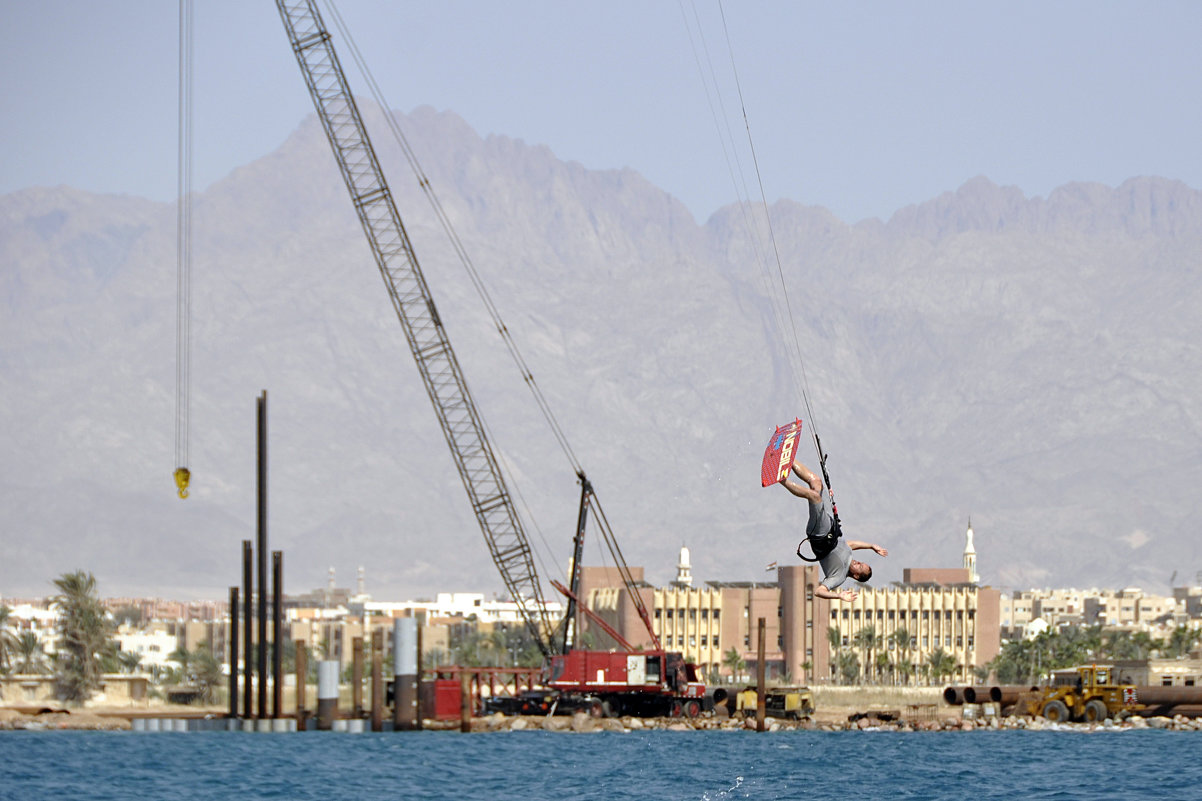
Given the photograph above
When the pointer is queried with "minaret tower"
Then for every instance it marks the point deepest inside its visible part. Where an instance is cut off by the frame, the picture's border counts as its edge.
(970, 555)
(684, 576)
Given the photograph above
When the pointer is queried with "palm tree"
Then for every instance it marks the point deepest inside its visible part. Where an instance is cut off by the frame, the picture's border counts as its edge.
(901, 641)
(7, 640)
(84, 635)
(206, 675)
(1181, 641)
(866, 640)
(884, 665)
(734, 661)
(183, 657)
(847, 663)
(31, 659)
(129, 661)
(835, 638)
(941, 664)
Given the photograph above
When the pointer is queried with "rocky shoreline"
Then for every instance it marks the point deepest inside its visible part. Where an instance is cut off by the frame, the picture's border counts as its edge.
(584, 724)
(83, 720)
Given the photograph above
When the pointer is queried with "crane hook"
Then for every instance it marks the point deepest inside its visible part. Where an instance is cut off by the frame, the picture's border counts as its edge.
(182, 476)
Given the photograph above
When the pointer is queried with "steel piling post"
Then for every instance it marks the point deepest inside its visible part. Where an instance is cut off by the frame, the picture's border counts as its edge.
(233, 646)
(761, 694)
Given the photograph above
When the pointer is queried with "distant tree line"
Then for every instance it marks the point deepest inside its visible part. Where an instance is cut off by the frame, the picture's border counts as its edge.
(1027, 661)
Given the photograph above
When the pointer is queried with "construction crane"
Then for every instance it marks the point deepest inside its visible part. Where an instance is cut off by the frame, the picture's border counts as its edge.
(636, 682)
(418, 314)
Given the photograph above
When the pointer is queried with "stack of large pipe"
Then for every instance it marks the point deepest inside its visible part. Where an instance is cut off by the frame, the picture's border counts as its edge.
(954, 695)
(1170, 701)
(1004, 694)
(1157, 700)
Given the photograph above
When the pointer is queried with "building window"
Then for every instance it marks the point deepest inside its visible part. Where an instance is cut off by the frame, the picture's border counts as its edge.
(746, 640)
(779, 613)
(716, 611)
(959, 641)
(926, 615)
(809, 624)
(780, 641)
(692, 640)
(705, 640)
(970, 641)
(809, 652)
(925, 642)
(669, 612)
(692, 614)
(705, 614)
(658, 613)
(948, 641)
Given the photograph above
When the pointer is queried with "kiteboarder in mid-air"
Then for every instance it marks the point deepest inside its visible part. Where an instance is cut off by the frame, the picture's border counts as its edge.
(832, 552)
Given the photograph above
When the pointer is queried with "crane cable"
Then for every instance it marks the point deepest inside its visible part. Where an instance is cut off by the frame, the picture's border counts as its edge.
(456, 242)
(476, 280)
(800, 376)
(183, 256)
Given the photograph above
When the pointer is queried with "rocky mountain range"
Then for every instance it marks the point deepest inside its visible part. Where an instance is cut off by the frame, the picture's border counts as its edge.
(1032, 363)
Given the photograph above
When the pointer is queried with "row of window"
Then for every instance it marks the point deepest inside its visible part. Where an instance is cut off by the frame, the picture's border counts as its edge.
(893, 614)
(926, 641)
(680, 613)
(679, 641)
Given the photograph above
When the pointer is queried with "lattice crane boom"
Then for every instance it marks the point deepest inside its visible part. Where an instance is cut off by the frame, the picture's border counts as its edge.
(415, 308)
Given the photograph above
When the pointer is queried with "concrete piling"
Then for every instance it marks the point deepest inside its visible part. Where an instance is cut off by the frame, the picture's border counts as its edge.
(405, 696)
(327, 694)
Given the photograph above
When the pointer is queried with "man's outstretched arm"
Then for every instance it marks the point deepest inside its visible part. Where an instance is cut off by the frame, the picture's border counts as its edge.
(856, 545)
(835, 595)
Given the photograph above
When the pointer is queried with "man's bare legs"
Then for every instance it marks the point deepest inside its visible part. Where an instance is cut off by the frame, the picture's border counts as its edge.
(811, 489)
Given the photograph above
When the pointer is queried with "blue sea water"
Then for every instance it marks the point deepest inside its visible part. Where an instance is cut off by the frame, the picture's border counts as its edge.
(659, 765)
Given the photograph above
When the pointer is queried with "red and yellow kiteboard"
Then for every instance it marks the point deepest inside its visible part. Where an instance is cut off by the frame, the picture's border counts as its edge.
(778, 457)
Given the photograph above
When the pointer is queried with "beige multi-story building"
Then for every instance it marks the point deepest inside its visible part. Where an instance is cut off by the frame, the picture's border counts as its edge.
(935, 611)
(940, 609)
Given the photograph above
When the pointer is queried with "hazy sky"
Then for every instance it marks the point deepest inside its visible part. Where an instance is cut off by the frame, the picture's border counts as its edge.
(863, 108)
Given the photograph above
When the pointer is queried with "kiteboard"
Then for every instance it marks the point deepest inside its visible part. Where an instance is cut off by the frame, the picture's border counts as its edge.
(778, 457)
